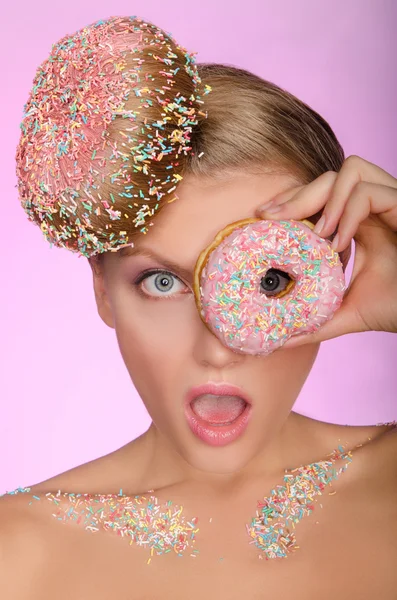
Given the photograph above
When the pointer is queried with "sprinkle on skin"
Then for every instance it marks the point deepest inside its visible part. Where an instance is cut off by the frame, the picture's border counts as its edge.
(65, 145)
(162, 528)
(238, 311)
(289, 503)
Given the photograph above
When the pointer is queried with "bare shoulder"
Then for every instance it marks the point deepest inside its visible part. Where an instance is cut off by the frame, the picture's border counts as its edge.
(374, 504)
(80, 479)
(372, 478)
(384, 459)
(372, 487)
(104, 475)
(382, 453)
(94, 477)
(376, 461)
(18, 515)
(23, 546)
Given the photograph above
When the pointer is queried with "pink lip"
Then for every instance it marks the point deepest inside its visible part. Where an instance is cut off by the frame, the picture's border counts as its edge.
(217, 435)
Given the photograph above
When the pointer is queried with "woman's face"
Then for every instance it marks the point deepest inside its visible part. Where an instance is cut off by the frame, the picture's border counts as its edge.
(166, 347)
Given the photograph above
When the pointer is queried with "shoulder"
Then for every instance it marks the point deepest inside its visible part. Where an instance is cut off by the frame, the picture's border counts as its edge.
(384, 459)
(366, 442)
(90, 478)
(372, 450)
(107, 474)
(382, 452)
(376, 456)
(18, 515)
(23, 546)
(376, 500)
(373, 483)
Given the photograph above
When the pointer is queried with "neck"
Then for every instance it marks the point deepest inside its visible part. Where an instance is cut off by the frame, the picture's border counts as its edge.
(162, 466)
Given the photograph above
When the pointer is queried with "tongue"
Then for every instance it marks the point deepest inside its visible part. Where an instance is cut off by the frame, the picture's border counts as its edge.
(218, 409)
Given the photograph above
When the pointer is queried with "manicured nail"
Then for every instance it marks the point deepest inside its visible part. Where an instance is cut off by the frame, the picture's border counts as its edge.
(335, 241)
(319, 225)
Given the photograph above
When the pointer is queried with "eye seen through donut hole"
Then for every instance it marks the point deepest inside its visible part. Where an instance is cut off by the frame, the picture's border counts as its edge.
(276, 283)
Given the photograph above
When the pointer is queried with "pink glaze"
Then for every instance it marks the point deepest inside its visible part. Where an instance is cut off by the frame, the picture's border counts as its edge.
(240, 314)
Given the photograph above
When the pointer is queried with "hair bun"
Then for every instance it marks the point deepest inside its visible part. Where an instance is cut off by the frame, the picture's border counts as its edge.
(84, 180)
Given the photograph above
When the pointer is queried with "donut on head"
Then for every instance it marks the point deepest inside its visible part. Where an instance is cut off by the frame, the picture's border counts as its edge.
(261, 282)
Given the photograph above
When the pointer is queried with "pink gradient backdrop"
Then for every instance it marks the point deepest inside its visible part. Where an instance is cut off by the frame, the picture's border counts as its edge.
(66, 397)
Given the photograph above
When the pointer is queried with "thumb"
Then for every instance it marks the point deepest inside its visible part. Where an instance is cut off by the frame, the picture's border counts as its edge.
(345, 320)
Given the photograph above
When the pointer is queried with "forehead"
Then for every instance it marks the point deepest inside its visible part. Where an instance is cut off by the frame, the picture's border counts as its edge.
(205, 206)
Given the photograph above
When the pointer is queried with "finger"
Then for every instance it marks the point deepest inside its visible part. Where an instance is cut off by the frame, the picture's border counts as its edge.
(353, 171)
(345, 320)
(366, 199)
(309, 200)
(281, 198)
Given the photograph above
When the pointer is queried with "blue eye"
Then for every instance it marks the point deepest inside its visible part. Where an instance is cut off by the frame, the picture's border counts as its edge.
(159, 283)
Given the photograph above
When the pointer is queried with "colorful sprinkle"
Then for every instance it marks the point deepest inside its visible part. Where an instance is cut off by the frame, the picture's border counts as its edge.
(162, 528)
(289, 503)
(68, 155)
(240, 313)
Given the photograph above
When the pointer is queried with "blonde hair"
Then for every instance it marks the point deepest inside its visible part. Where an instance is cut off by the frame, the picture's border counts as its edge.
(256, 126)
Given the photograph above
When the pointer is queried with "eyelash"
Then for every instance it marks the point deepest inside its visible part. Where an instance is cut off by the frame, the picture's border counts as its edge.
(145, 274)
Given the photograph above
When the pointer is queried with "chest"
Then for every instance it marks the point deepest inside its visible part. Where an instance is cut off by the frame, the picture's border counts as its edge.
(347, 549)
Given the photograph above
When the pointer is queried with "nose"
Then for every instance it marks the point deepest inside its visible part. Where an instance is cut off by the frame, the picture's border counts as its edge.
(210, 352)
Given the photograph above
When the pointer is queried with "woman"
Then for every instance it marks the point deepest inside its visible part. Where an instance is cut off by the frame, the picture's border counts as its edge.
(186, 507)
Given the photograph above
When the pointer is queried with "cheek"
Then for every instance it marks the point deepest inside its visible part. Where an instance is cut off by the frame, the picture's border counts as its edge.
(154, 352)
(281, 375)
(153, 336)
(291, 366)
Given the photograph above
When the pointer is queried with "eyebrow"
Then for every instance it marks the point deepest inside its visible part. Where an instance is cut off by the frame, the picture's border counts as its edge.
(169, 264)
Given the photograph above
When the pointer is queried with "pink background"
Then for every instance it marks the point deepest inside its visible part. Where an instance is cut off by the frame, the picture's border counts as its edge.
(66, 397)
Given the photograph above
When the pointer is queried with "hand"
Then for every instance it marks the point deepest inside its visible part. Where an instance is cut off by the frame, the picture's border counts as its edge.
(362, 201)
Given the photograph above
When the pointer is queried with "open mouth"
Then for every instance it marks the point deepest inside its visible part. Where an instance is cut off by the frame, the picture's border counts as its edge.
(218, 410)
(217, 418)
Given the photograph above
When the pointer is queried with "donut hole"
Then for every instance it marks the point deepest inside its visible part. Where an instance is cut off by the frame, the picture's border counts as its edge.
(272, 280)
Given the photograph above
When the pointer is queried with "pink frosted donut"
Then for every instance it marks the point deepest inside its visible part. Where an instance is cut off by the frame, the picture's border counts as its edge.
(262, 281)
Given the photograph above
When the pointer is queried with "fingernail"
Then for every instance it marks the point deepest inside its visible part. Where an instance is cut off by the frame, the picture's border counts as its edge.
(272, 209)
(266, 206)
(319, 225)
(335, 241)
